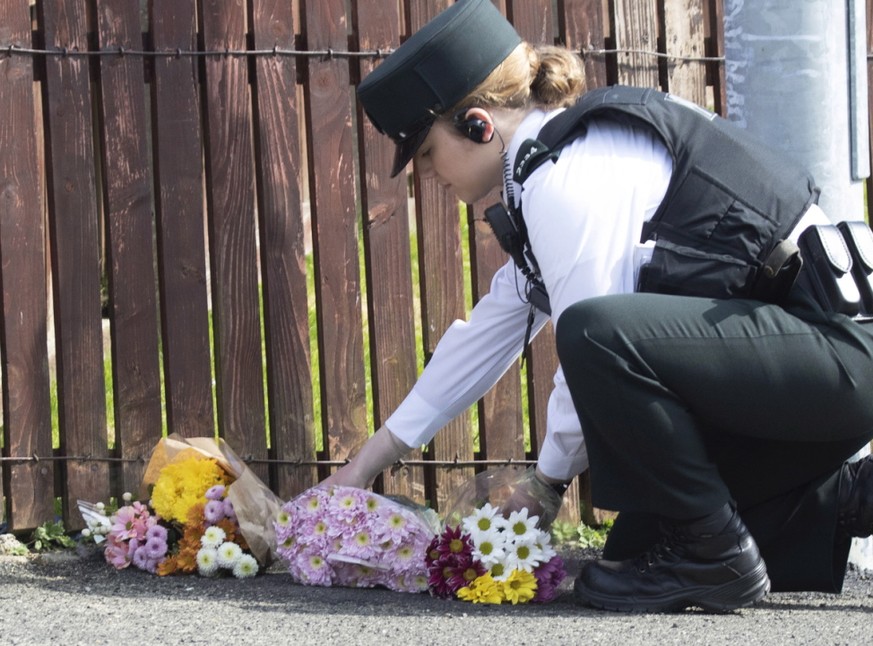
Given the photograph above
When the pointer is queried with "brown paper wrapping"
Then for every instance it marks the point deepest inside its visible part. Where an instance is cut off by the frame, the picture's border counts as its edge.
(253, 502)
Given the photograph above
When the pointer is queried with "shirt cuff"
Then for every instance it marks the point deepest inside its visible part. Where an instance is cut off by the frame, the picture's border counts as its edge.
(415, 422)
(562, 462)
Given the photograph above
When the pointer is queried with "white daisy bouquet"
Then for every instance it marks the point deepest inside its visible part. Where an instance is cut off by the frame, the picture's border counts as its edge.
(485, 555)
(337, 535)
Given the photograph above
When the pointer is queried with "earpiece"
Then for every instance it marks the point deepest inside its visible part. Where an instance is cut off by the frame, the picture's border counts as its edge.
(472, 128)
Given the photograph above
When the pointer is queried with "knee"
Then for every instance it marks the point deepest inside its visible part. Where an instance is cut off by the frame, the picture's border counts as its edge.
(583, 324)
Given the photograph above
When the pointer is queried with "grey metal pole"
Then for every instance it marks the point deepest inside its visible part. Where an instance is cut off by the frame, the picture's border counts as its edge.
(795, 75)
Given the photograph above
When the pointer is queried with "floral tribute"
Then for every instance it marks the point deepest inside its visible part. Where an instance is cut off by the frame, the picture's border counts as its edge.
(189, 523)
(345, 536)
(490, 558)
(337, 535)
(188, 526)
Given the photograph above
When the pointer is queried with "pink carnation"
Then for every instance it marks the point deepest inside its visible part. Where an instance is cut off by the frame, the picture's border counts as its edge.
(116, 552)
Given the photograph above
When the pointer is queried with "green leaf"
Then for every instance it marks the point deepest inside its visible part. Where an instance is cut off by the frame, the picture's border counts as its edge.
(50, 535)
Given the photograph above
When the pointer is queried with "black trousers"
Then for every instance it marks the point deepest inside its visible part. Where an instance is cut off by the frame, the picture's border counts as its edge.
(689, 403)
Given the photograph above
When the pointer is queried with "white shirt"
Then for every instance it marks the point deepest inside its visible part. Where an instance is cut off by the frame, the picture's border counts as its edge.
(584, 215)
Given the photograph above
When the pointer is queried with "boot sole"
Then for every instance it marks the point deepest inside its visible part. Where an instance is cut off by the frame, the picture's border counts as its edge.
(745, 591)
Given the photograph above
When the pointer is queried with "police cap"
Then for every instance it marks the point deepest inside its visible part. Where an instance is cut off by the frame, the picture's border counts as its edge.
(433, 70)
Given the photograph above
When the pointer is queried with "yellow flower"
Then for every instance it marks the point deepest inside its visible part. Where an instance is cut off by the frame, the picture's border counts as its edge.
(520, 586)
(483, 589)
(183, 484)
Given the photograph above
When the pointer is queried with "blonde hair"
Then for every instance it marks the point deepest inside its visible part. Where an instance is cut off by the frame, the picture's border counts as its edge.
(546, 76)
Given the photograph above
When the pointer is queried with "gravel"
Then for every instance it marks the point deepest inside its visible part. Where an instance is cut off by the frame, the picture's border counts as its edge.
(76, 598)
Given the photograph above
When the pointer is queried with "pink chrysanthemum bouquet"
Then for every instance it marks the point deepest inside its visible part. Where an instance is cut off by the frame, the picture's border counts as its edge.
(332, 535)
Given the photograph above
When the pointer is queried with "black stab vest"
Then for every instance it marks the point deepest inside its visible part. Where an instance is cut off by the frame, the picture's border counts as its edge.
(730, 205)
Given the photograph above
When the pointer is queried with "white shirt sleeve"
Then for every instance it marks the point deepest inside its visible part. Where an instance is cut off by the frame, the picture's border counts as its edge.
(563, 453)
(469, 359)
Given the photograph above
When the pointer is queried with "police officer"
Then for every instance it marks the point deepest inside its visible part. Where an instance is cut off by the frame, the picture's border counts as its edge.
(719, 404)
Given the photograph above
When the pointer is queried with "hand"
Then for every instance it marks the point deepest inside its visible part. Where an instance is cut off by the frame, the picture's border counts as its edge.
(346, 476)
(531, 491)
(378, 453)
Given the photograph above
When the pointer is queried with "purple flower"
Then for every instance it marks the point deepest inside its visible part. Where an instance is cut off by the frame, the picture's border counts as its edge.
(464, 572)
(348, 504)
(228, 509)
(347, 574)
(451, 541)
(213, 511)
(156, 531)
(386, 542)
(215, 493)
(450, 563)
(549, 576)
(314, 568)
(394, 525)
(155, 548)
(143, 562)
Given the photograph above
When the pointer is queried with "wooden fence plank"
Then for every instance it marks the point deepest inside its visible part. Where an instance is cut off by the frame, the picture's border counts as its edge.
(75, 259)
(684, 36)
(636, 29)
(334, 230)
(442, 288)
(177, 137)
(286, 317)
(28, 486)
(233, 255)
(534, 20)
(387, 250)
(128, 204)
(584, 29)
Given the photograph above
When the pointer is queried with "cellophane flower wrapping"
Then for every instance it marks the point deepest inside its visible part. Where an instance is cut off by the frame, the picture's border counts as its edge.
(346, 536)
(494, 547)
(200, 510)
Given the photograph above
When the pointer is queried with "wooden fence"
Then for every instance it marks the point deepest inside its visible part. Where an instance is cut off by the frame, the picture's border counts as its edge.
(170, 154)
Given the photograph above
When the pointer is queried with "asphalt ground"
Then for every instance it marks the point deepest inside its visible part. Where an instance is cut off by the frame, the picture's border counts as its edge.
(65, 598)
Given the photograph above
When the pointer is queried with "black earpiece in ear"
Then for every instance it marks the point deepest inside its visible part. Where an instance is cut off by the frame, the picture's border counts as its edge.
(473, 128)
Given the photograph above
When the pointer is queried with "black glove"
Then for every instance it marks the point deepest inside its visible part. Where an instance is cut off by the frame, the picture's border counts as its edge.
(509, 489)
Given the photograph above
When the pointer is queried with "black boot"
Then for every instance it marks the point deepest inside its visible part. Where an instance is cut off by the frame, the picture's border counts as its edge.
(712, 563)
(855, 517)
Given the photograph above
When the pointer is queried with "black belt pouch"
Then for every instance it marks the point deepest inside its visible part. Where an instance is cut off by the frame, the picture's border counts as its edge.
(859, 240)
(827, 269)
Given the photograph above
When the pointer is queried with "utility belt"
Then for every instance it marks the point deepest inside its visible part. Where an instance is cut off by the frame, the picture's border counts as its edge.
(838, 267)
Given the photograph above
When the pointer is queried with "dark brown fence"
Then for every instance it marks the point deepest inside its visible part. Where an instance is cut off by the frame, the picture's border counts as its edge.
(166, 167)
